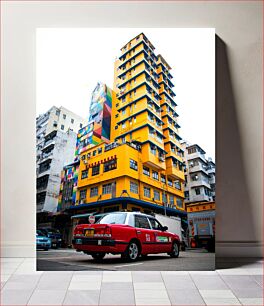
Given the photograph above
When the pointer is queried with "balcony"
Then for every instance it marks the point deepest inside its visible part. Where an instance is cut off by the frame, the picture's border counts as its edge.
(173, 171)
(45, 156)
(49, 142)
(199, 182)
(40, 207)
(41, 188)
(43, 171)
(197, 168)
(196, 155)
(156, 161)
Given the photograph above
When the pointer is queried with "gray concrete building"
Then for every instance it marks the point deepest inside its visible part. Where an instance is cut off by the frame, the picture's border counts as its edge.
(56, 135)
(199, 175)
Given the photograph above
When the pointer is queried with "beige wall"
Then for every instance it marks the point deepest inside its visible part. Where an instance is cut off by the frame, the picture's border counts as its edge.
(239, 107)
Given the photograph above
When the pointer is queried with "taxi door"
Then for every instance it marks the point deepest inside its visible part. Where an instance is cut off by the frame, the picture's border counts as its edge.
(162, 238)
(145, 234)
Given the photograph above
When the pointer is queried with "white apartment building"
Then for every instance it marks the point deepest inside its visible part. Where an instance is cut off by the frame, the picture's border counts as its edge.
(56, 135)
(199, 175)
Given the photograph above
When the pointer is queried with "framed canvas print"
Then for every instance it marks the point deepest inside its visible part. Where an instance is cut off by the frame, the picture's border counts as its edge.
(125, 149)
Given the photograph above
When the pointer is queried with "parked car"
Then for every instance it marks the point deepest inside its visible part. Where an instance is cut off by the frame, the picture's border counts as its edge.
(42, 241)
(54, 234)
(130, 234)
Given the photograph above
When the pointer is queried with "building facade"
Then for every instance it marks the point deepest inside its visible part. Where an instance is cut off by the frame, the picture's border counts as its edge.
(55, 148)
(141, 168)
(95, 132)
(199, 175)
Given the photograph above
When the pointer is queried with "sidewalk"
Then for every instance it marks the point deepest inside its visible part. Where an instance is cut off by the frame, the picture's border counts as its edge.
(22, 285)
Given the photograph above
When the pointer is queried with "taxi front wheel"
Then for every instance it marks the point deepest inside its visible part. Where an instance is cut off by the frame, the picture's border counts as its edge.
(175, 250)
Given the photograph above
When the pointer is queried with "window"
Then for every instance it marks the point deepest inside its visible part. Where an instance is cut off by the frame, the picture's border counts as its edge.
(155, 175)
(141, 222)
(207, 192)
(94, 152)
(124, 111)
(133, 164)
(110, 165)
(99, 150)
(177, 184)
(95, 170)
(83, 194)
(192, 150)
(94, 191)
(62, 127)
(180, 203)
(156, 195)
(155, 224)
(147, 192)
(123, 139)
(163, 178)
(116, 116)
(164, 198)
(57, 112)
(123, 125)
(133, 187)
(171, 200)
(194, 162)
(152, 133)
(194, 177)
(64, 116)
(197, 191)
(153, 150)
(186, 194)
(72, 120)
(170, 182)
(115, 218)
(146, 171)
(107, 188)
(81, 125)
(84, 174)
(116, 127)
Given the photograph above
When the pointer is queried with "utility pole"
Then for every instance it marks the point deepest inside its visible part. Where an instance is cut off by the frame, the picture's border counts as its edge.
(164, 198)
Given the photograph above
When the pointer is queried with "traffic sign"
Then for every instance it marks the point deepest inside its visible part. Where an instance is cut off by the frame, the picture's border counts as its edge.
(91, 219)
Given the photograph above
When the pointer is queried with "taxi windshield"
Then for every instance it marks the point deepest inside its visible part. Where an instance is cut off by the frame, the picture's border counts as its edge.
(115, 218)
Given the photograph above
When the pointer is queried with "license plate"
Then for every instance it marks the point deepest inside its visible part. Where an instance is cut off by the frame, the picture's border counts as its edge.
(89, 233)
(99, 242)
(78, 241)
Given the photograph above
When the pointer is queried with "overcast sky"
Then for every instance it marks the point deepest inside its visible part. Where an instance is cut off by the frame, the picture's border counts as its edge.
(70, 62)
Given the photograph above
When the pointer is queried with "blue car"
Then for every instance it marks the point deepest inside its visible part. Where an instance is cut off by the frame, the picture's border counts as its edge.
(54, 235)
(43, 242)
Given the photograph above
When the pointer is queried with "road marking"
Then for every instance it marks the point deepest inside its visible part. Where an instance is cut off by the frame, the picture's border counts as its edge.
(133, 264)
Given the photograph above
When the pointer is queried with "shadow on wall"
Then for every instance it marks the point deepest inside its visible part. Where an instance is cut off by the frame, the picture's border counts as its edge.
(234, 215)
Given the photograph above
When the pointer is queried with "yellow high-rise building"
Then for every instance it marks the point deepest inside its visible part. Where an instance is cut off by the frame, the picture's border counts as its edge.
(142, 167)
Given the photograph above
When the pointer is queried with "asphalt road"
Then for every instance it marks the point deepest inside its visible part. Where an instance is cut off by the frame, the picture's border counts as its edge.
(70, 260)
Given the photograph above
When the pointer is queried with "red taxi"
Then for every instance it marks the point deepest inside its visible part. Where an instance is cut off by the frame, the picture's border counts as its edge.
(130, 234)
